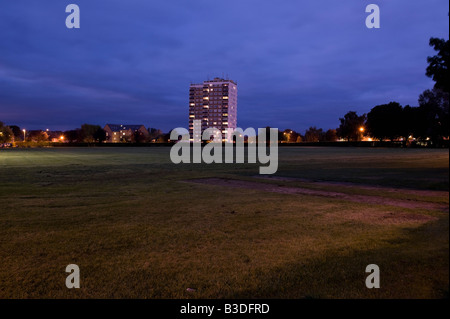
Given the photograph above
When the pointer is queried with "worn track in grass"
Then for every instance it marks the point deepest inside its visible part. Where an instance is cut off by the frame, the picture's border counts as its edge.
(375, 200)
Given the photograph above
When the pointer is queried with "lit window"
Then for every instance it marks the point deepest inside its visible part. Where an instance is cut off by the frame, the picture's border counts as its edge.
(225, 97)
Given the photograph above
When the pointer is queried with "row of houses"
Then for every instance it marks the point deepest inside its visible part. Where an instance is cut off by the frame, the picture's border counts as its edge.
(116, 133)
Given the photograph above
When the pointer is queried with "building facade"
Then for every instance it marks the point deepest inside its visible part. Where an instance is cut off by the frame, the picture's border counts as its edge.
(116, 133)
(214, 103)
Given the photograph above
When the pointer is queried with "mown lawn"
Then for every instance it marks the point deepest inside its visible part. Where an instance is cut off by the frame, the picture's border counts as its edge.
(137, 228)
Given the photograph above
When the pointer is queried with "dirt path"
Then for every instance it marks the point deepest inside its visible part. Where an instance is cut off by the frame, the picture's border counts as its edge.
(376, 200)
(415, 192)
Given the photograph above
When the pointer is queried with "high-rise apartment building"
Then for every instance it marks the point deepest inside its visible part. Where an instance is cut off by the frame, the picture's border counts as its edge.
(215, 104)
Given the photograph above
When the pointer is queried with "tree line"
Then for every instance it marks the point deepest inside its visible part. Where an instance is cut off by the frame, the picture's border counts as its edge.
(428, 122)
(87, 133)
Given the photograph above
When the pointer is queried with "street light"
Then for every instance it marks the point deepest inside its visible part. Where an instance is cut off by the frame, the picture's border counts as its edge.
(24, 131)
(361, 129)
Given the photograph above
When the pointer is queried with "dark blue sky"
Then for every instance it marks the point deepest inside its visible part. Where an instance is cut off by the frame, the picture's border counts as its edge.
(297, 63)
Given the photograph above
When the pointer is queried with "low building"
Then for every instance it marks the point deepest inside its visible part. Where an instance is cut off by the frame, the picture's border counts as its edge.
(116, 133)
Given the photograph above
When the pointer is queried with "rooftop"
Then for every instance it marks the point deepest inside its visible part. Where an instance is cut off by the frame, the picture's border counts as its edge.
(124, 127)
(216, 80)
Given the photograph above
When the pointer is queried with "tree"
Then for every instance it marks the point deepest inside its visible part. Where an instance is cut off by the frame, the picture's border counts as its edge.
(91, 133)
(6, 134)
(439, 63)
(385, 121)
(139, 137)
(289, 136)
(18, 133)
(350, 127)
(38, 136)
(434, 110)
(154, 134)
(164, 138)
(73, 135)
(314, 135)
(331, 135)
(413, 123)
(99, 135)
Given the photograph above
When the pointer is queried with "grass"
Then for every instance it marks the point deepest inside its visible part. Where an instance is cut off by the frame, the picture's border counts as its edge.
(136, 228)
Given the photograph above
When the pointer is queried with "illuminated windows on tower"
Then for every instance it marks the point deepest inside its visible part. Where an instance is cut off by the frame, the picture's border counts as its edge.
(215, 104)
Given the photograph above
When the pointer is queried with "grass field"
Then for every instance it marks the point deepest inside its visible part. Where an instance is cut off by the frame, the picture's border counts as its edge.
(139, 226)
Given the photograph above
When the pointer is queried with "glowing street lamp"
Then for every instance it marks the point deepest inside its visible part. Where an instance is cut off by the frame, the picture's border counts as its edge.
(361, 129)
(24, 132)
